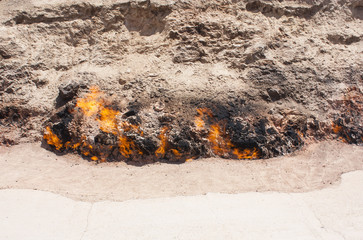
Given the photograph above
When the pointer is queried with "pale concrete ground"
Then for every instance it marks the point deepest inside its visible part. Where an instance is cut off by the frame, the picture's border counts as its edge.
(332, 213)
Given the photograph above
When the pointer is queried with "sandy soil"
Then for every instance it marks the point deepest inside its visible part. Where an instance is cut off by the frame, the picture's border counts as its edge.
(29, 166)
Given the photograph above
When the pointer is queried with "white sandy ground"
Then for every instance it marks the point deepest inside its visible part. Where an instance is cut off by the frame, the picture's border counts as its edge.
(332, 213)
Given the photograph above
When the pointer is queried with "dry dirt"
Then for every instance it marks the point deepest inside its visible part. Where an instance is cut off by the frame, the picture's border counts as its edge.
(28, 166)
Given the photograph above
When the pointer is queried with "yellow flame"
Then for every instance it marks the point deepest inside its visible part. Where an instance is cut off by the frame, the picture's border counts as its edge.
(92, 103)
(108, 121)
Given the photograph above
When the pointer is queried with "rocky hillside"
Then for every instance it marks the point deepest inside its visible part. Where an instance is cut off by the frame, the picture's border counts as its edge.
(232, 78)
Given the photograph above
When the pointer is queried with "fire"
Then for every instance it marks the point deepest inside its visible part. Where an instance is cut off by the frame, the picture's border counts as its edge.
(127, 127)
(94, 107)
(107, 120)
(190, 159)
(52, 139)
(336, 128)
(199, 120)
(176, 153)
(69, 145)
(246, 153)
(126, 146)
(92, 103)
(160, 152)
(164, 145)
(220, 143)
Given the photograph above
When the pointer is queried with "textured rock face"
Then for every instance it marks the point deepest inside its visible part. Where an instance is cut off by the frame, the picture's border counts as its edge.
(272, 75)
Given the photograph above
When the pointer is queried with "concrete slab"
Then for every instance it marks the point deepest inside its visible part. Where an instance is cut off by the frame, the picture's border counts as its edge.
(331, 213)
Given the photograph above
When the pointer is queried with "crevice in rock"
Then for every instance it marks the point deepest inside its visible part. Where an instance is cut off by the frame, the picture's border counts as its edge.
(277, 10)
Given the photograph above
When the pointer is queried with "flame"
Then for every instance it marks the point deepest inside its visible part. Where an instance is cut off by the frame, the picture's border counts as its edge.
(190, 159)
(52, 139)
(92, 103)
(107, 120)
(246, 153)
(127, 127)
(126, 146)
(69, 145)
(344, 136)
(94, 107)
(176, 153)
(199, 120)
(220, 145)
(160, 152)
(164, 146)
(336, 128)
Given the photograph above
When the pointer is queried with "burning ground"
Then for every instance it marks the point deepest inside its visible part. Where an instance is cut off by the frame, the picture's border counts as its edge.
(99, 128)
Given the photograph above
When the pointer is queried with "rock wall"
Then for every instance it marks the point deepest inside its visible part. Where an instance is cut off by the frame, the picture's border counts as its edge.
(288, 72)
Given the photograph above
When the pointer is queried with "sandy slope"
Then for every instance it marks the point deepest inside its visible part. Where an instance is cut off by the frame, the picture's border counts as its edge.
(29, 166)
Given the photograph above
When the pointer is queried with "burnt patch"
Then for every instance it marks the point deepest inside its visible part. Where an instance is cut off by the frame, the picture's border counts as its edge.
(101, 131)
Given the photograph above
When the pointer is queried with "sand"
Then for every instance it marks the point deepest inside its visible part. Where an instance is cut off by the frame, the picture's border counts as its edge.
(333, 213)
(29, 166)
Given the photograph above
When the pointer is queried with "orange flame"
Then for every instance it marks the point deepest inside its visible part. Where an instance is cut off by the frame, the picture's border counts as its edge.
(69, 145)
(126, 146)
(127, 127)
(220, 145)
(190, 159)
(176, 153)
(92, 103)
(336, 128)
(52, 139)
(246, 153)
(160, 152)
(199, 120)
(164, 146)
(93, 106)
(107, 120)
